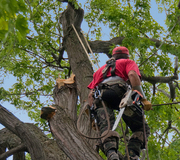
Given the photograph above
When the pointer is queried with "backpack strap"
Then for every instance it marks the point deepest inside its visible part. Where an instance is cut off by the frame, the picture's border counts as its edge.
(110, 63)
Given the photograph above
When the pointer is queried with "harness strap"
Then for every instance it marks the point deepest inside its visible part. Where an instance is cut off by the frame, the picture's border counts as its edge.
(110, 63)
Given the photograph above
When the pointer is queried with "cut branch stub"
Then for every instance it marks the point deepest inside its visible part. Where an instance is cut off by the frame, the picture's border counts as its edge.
(48, 112)
(66, 97)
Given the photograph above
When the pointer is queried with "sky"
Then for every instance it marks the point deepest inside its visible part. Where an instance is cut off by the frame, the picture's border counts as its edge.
(21, 114)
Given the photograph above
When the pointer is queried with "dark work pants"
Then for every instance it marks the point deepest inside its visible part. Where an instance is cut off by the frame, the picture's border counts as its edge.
(134, 121)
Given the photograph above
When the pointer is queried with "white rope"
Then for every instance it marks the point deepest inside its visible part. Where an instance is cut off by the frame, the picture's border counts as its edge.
(83, 46)
(90, 50)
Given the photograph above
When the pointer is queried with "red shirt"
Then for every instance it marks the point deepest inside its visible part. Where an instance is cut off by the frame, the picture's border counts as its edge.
(123, 66)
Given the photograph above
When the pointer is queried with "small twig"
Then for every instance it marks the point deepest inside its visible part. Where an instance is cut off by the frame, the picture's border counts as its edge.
(155, 53)
(174, 128)
(165, 104)
(162, 138)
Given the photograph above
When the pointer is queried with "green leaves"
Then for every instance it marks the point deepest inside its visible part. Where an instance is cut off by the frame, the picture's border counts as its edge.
(30, 37)
(13, 19)
(22, 25)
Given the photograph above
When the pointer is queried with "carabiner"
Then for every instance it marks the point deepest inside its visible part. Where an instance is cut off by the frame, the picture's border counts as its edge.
(97, 93)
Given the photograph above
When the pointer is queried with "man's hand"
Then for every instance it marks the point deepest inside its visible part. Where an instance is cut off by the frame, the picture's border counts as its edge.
(147, 104)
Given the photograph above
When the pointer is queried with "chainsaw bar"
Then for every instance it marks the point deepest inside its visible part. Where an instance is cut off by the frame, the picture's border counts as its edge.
(123, 104)
(118, 118)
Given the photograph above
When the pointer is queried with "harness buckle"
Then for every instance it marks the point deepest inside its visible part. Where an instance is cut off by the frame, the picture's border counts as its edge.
(97, 93)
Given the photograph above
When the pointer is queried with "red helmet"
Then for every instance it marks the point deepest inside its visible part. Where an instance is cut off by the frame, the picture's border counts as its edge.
(120, 50)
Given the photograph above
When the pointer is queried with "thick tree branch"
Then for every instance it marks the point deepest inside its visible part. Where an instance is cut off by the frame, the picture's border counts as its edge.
(175, 85)
(17, 127)
(19, 148)
(157, 79)
(61, 52)
(10, 141)
(172, 87)
(99, 46)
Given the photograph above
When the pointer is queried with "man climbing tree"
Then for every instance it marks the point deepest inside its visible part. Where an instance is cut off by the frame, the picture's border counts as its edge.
(111, 79)
(39, 44)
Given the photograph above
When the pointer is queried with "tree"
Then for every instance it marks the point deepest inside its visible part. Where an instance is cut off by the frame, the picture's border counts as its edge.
(35, 37)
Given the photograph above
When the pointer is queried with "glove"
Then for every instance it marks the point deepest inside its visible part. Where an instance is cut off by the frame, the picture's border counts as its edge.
(147, 105)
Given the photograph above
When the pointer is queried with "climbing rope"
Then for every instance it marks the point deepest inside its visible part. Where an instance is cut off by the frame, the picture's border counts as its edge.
(145, 138)
(107, 117)
(90, 50)
(85, 48)
(124, 136)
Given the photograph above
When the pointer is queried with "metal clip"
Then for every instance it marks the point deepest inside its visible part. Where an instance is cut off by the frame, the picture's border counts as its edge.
(97, 93)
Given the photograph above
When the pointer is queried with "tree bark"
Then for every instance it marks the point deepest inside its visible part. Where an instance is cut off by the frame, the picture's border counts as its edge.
(29, 135)
(63, 126)
(79, 61)
(19, 128)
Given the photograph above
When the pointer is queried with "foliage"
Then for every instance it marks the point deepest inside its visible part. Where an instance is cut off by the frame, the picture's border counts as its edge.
(31, 41)
(13, 19)
(28, 56)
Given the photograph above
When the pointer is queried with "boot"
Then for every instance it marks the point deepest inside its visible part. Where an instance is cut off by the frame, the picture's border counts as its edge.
(132, 156)
(112, 155)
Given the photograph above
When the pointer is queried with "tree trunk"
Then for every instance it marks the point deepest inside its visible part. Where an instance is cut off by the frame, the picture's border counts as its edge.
(79, 61)
(63, 126)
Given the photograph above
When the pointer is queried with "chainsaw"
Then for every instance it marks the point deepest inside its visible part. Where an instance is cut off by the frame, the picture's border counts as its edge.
(132, 100)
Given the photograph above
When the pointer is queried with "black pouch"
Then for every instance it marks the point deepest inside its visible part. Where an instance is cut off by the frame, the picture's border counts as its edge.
(113, 95)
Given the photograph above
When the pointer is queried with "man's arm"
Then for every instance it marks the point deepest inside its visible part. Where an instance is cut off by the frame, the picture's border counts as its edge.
(135, 82)
(136, 85)
(134, 78)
